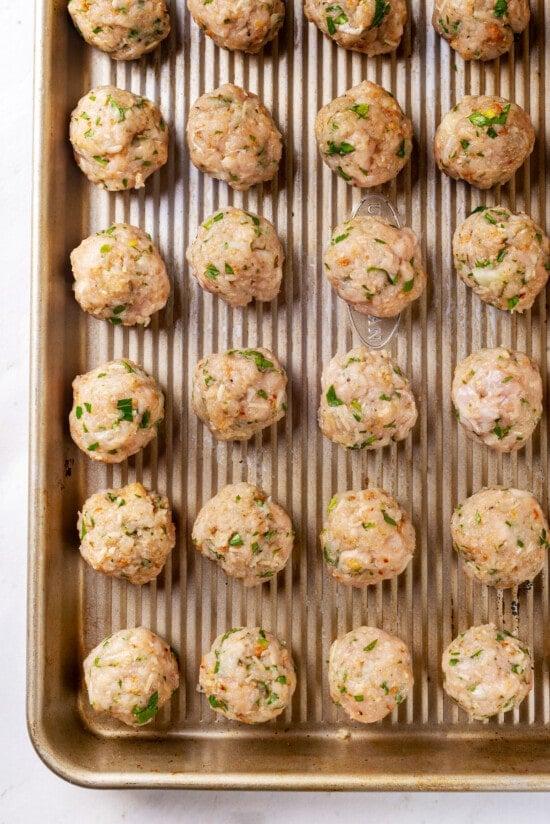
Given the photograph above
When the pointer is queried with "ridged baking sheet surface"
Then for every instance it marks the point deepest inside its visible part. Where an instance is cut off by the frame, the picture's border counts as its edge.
(429, 473)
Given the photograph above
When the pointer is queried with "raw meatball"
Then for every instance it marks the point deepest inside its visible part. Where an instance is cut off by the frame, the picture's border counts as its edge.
(119, 139)
(131, 675)
(366, 400)
(504, 257)
(232, 137)
(364, 136)
(248, 675)
(366, 537)
(120, 275)
(125, 29)
(369, 673)
(371, 26)
(501, 536)
(484, 140)
(244, 26)
(374, 266)
(127, 533)
(116, 410)
(248, 534)
(239, 392)
(487, 671)
(497, 395)
(480, 29)
(238, 256)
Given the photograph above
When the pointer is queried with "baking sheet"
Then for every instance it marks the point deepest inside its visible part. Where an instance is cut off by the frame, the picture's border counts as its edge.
(427, 743)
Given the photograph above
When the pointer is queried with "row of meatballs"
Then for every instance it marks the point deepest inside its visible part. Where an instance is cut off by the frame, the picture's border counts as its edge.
(500, 533)
(248, 674)
(366, 400)
(127, 29)
(120, 139)
(376, 268)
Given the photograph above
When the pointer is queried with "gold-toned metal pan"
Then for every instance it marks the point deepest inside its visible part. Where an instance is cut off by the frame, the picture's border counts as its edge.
(428, 743)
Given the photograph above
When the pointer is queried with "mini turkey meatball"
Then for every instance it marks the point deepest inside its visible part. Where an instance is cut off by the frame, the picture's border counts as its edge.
(364, 136)
(232, 137)
(244, 26)
(501, 536)
(504, 257)
(480, 30)
(486, 671)
(120, 276)
(239, 392)
(371, 27)
(118, 138)
(125, 29)
(369, 673)
(238, 256)
(497, 395)
(366, 400)
(131, 675)
(247, 533)
(374, 266)
(116, 410)
(366, 537)
(484, 140)
(248, 675)
(127, 533)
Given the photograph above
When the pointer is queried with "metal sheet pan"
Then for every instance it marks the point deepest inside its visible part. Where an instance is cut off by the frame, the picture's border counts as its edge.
(427, 744)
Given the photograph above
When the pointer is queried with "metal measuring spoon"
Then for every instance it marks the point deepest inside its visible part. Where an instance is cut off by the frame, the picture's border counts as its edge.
(375, 332)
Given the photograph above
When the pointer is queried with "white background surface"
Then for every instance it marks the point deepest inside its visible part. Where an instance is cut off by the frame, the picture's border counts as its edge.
(28, 791)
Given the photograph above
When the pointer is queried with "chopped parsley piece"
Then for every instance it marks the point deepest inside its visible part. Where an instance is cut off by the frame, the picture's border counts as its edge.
(381, 9)
(332, 397)
(124, 406)
(236, 540)
(512, 303)
(340, 149)
(343, 174)
(217, 703)
(388, 519)
(361, 110)
(501, 8)
(401, 150)
(339, 18)
(144, 714)
(211, 271)
(211, 220)
(501, 431)
(408, 285)
(370, 646)
(262, 363)
(229, 269)
(332, 503)
(489, 119)
(145, 418)
(339, 238)
(357, 410)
